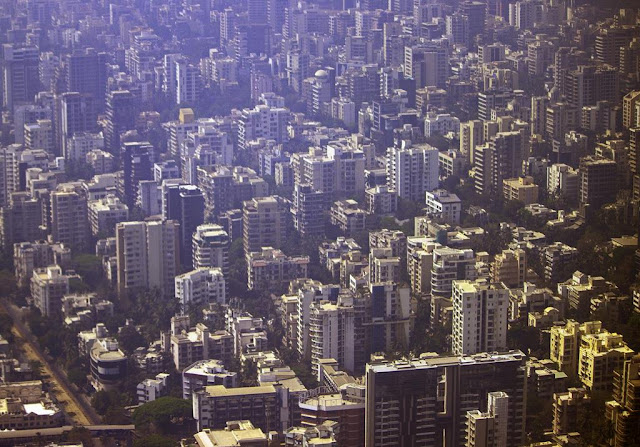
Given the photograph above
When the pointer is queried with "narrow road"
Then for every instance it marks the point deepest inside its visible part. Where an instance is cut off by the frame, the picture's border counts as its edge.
(75, 406)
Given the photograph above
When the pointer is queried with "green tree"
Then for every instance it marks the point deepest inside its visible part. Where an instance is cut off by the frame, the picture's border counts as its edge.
(155, 440)
(163, 414)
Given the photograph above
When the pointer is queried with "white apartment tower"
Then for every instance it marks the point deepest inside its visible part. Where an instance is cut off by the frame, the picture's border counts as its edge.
(480, 314)
(412, 171)
(148, 255)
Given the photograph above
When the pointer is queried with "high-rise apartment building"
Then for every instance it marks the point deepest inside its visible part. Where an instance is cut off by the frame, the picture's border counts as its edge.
(501, 159)
(21, 80)
(69, 216)
(308, 210)
(336, 331)
(425, 401)
(448, 265)
(480, 317)
(598, 181)
(148, 255)
(489, 428)
(137, 160)
(264, 223)
(624, 410)
(210, 247)
(121, 116)
(412, 171)
(86, 73)
(185, 205)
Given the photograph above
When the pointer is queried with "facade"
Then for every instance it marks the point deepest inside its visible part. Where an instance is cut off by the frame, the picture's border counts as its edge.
(479, 317)
(568, 408)
(522, 189)
(211, 248)
(200, 287)
(307, 209)
(48, 286)
(205, 373)
(69, 223)
(510, 268)
(565, 343)
(622, 410)
(214, 405)
(148, 255)
(393, 419)
(335, 333)
(108, 364)
(448, 265)
(489, 429)
(348, 217)
(412, 171)
(380, 200)
(264, 223)
(105, 213)
(150, 389)
(187, 345)
(444, 205)
(600, 355)
(270, 269)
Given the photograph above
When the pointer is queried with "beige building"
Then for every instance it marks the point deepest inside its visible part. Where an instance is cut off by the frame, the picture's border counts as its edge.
(235, 434)
(600, 355)
(69, 223)
(568, 407)
(214, 406)
(48, 286)
(510, 268)
(271, 269)
(28, 256)
(380, 200)
(419, 263)
(630, 110)
(624, 410)
(187, 345)
(565, 343)
(264, 223)
(522, 189)
(348, 217)
(105, 213)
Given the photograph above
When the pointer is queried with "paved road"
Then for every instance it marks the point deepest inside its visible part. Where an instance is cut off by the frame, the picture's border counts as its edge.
(74, 404)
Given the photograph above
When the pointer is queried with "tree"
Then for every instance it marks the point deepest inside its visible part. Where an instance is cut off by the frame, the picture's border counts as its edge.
(154, 440)
(163, 414)
(129, 339)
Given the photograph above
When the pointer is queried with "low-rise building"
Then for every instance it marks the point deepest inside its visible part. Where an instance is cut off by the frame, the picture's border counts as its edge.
(201, 287)
(380, 200)
(235, 434)
(108, 364)
(105, 213)
(205, 373)
(187, 344)
(348, 217)
(522, 189)
(270, 269)
(48, 286)
(150, 389)
(28, 256)
(214, 406)
(543, 380)
(568, 408)
(18, 415)
(443, 205)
